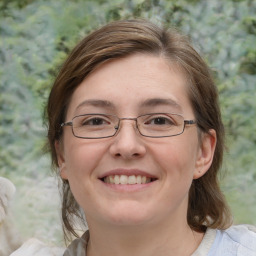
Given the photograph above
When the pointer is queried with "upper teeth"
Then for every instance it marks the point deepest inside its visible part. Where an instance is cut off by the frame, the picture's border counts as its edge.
(124, 179)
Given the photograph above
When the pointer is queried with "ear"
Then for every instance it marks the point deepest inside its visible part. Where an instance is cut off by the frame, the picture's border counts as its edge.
(61, 160)
(205, 153)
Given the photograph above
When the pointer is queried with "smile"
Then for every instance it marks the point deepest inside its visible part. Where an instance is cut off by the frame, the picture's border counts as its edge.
(127, 180)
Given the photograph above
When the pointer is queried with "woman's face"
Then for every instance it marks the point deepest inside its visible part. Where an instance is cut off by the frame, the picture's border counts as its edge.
(130, 87)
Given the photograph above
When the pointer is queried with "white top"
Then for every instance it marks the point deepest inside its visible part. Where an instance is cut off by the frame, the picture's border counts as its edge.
(235, 241)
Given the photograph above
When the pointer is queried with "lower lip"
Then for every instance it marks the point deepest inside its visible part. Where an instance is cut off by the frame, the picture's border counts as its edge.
(128, 187)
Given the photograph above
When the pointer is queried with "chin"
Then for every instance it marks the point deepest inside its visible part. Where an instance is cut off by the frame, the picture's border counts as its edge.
(130, 216)
(127, 221)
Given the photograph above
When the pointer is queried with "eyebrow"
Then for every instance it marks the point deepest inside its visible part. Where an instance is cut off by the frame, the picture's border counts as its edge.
(147, 103)
(161, 101)
(96, 103)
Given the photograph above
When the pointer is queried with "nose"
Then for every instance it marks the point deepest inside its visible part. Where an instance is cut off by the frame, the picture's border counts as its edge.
(127, 143)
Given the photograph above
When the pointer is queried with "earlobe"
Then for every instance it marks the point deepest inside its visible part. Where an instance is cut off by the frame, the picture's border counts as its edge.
(205, 154)
(61, 160)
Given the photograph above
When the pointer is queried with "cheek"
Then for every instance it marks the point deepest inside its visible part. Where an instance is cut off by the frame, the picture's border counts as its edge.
(175, 162)
(82, 157)
(176, 158)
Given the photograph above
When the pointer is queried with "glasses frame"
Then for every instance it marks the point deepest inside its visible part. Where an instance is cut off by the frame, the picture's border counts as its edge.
(117, 128)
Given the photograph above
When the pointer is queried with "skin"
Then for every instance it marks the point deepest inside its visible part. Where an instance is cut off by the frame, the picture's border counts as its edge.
(140, 221)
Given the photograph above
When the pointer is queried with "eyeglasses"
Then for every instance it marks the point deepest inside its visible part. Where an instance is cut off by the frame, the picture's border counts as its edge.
(156, 125)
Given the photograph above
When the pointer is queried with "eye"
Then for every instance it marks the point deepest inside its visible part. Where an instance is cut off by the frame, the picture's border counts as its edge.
(93, 121)
(160, 120)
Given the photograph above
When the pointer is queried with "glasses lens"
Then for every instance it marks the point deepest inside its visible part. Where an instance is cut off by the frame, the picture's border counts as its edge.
(94, 126)
(160, 125)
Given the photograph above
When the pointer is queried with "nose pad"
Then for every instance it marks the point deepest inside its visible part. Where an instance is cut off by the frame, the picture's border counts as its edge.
(132, 122)
(127, 142)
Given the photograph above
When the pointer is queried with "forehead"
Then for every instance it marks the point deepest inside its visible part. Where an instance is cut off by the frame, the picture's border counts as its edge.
(132, 84)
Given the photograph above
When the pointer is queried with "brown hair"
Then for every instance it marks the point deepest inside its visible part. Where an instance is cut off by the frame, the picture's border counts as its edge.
(207, 206)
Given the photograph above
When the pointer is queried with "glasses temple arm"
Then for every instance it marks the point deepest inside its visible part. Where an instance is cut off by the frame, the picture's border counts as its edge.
(66, 124)
(189, 122)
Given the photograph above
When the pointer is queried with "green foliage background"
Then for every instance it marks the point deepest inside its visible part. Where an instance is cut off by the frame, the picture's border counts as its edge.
(35, 37)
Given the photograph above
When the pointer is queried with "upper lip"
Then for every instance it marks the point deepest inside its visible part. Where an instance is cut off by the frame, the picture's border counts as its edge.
(127, 172)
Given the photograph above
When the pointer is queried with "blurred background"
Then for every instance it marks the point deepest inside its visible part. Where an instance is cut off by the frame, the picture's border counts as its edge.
(35, 37)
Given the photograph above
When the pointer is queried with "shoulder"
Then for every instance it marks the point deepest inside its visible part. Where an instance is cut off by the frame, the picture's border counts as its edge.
(243, 234)
(78, 246)
(237, 240)
(34, 247)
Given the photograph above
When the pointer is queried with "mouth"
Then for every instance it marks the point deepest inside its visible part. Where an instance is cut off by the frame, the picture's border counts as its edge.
(127, 177)
(127, 180)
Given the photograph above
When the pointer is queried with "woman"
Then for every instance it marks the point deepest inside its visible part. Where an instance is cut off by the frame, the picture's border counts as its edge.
(135, 131)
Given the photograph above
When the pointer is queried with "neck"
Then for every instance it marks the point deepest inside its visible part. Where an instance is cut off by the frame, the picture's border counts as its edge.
(168, 239)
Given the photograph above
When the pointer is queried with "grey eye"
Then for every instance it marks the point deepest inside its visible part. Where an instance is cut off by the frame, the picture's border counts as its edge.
(94, 121)
(160, 120)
